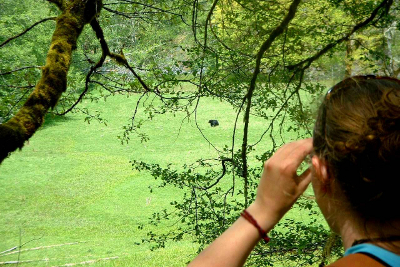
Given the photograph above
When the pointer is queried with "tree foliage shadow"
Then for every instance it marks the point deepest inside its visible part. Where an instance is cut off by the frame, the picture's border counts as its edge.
(54, 120)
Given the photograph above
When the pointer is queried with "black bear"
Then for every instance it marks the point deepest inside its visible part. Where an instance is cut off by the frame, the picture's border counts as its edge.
(213, 123)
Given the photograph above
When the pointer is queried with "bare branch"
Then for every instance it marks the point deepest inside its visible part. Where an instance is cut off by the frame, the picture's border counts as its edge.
(136, 108)
(264, 47)
(48, 246)
(302, 112)
(25, 31)
(108, 88)
(283, 105)
(208, 19)
(8, 250)
(204, 46)
(126, 15)
(119, 58)
(225, 45)
(16, 103)
(90, 261)
(138, 14)
(198, 127)
(386, 4)
(194, 20)
(220, 177)
(19, 69)
(21, 86)
(92, 69)
(109, 79)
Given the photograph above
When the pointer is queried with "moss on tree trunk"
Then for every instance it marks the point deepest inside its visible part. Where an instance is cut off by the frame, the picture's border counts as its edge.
(53, 82)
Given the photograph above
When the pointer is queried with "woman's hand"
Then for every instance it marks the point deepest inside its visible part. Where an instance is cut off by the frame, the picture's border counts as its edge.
(280, 186)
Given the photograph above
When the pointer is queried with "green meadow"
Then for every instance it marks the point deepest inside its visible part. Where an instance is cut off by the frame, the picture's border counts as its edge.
(70, 195)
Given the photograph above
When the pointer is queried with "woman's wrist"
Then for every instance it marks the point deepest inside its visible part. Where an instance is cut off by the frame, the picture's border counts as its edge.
(264, 216)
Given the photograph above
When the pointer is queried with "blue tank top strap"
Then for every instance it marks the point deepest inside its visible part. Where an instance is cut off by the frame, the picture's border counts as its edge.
(382, 255)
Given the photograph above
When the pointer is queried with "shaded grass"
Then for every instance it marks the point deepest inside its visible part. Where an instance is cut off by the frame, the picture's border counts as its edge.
(73, 182)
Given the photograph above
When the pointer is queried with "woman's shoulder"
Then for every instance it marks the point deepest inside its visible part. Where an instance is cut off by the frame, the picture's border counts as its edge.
(368, 255)
(357, 260)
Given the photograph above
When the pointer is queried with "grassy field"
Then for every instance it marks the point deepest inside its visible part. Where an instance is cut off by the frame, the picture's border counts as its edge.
(72, 194)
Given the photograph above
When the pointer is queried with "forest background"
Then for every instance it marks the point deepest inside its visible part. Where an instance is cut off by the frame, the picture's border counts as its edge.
(149, 75)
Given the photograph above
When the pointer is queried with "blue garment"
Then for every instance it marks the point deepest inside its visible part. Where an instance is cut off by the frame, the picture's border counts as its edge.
(390, 258)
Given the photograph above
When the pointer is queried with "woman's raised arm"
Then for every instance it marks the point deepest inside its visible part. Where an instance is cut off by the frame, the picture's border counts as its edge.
(279, 188)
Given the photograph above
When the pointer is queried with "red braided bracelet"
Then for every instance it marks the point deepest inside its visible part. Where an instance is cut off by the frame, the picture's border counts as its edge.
(245, 214)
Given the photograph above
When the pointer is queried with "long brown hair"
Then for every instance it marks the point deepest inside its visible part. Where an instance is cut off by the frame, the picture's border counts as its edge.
(357, 132)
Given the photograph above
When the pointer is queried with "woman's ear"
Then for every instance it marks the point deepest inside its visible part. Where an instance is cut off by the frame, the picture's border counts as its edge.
(321, 170)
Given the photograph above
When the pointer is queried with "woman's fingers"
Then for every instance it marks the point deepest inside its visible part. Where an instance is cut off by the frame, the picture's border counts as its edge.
(300, 151)
(289, 157)
(280, 173)
(304, 179)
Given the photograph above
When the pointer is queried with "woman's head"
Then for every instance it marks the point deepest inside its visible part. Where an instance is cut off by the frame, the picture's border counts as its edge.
(357, 134)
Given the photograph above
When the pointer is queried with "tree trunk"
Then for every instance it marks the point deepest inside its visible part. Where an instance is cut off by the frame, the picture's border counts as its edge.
(387, 42)
(74, 16)
(348, 60)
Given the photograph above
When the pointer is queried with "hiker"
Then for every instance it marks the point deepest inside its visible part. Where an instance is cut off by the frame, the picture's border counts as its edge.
(354, 171)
